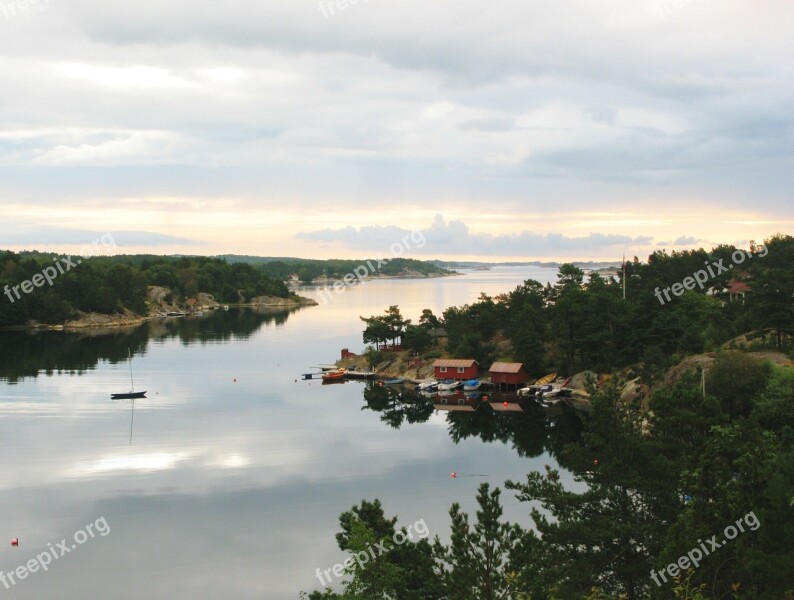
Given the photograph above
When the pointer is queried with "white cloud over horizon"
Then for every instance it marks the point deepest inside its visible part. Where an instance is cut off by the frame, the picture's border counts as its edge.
(263, 119)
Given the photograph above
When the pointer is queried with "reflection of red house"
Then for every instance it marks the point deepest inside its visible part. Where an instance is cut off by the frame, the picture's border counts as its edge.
(456, 368)
(508, 374)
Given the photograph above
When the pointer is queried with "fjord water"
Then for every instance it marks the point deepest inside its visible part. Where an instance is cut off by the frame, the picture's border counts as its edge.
(228, 479)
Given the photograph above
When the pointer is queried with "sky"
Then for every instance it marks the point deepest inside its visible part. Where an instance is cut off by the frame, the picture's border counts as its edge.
(506, 130)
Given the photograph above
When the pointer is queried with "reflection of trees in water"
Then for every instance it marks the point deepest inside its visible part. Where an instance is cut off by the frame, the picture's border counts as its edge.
(223, 325)
(397, 406)
(530, 432)
(29, 353)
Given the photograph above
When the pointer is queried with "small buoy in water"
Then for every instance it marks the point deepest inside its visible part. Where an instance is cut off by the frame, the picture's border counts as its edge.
(453, 475)
(595, 462)
(235, 380)
(15, 542)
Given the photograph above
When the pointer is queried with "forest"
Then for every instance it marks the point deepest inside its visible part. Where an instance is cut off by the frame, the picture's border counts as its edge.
(109, 285)
(665, 473)
(309, 270)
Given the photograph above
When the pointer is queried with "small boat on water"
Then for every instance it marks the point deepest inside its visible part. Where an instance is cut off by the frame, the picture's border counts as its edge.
(428, 386)
(449, 385)
(472, 385)
(548, 391)
(132, 394)
(128, 395)
(331, 376)
(395, 381)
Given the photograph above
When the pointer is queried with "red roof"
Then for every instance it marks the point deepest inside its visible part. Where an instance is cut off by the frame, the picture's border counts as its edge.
(503, 367)
(455, 362)
(737, 287)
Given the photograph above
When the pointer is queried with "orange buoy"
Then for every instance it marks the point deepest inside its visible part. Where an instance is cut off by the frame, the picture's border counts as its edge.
(504, 404)
(15, 542)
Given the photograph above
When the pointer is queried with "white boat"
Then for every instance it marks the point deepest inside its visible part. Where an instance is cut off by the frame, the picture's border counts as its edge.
(428, 385)
(448, 385)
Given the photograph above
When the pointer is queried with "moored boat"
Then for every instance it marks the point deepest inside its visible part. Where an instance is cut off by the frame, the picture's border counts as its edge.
(337, 375)
(472, 385)
(128, 396)
(395, 381)
(428, 386)
(448, 385)
(132, 393)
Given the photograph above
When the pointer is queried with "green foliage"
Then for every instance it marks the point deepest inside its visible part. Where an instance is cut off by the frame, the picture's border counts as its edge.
(111, 284)
(584, 323)
(403, 572)
(735, 379)
(390, 327)
(417, 338)
(477, 562)
(309, 270)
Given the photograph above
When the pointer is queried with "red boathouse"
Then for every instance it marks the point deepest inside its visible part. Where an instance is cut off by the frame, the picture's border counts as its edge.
(508, 374)
(456, 368)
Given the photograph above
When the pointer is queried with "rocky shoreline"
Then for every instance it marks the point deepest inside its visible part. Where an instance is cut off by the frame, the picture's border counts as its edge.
(159, 307)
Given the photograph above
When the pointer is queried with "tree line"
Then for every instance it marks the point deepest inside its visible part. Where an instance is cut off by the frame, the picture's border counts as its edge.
(583, 322)
(111, 284)
(309, 270)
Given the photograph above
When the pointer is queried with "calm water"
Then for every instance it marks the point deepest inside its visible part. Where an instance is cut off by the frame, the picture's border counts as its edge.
(228, 480)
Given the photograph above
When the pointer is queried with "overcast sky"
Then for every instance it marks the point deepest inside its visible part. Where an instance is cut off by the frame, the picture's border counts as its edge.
(512, 129)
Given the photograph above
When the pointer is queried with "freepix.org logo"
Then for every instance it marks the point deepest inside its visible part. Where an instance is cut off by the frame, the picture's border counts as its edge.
(55, 551)
(62, 266)
(712, 270)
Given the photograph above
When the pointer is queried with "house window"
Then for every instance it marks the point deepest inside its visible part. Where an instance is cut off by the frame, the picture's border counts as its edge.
(461, 370)
(442, 369)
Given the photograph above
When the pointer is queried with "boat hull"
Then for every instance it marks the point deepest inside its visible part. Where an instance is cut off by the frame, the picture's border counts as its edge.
(128, 396)
(447, 386)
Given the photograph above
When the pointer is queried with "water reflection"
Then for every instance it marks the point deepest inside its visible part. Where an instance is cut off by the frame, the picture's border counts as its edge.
(30, 353)
(237, 471)
(529, 428)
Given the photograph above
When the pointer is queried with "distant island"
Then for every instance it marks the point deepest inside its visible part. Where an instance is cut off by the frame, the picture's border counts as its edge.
(483, 266)
(48, 290)
(305, 270)
(43, 289)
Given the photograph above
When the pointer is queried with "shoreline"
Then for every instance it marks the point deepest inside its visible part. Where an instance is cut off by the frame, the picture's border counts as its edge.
(91, 321)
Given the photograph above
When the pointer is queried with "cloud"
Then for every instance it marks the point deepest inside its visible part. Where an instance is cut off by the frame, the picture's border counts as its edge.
(15, 234)
(569, 106)
(453, 237)
(686, 240)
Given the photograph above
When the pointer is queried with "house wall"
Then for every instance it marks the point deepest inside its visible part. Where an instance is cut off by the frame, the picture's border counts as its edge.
(455, 373)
